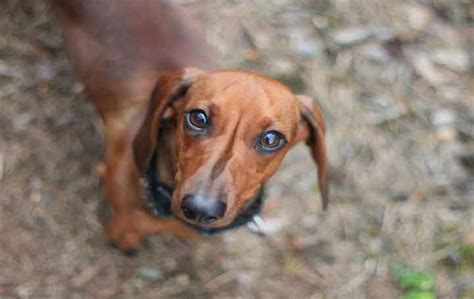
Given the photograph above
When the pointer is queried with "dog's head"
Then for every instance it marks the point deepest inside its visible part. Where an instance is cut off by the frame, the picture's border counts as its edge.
(232, 131)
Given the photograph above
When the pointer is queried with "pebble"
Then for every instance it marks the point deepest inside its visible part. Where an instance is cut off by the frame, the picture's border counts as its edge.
(306, 48)
(150, 274)
(418, 16)
(425, 68)
(22, 120)
(376, 53)
(45, 72)
(443, 117)
(347, 37)
(446, 134)
(453, 59)
(183, 279)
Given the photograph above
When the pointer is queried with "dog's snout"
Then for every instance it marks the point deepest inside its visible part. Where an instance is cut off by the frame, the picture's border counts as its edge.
(201, 209)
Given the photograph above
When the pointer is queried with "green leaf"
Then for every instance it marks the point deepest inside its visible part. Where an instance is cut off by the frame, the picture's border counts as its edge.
(418, 295)
(417, 280)
(413, 279)
(467, 252)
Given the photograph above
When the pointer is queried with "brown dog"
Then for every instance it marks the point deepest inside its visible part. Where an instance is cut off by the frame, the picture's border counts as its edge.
(214, 136)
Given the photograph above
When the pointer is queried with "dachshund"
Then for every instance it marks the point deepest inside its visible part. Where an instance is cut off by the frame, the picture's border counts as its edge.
(181, 138)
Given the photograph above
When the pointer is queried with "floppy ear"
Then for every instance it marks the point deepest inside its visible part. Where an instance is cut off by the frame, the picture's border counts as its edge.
(312, 129)
(170, 87)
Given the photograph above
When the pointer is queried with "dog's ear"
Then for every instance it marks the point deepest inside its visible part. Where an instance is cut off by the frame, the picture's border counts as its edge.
(170, 87)
(312, 130)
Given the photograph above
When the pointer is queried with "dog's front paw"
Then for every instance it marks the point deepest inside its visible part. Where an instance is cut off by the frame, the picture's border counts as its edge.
(124, 235)
(128, 231)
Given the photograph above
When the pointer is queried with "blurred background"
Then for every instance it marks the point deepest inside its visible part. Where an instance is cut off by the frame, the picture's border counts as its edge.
(395, 81)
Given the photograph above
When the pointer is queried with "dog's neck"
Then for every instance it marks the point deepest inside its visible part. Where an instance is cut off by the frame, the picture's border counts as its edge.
(166, 159)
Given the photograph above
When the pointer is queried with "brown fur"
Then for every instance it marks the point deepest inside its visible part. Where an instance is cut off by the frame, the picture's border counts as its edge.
(129, 52)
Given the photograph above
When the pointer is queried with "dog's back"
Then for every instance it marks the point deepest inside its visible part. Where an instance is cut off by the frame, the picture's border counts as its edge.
(123, 39)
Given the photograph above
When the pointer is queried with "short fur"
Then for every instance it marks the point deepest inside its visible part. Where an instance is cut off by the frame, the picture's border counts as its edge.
(133, 58)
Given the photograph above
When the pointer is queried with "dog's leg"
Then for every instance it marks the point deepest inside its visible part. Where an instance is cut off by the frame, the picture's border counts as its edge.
(129, 222)
(118, 50)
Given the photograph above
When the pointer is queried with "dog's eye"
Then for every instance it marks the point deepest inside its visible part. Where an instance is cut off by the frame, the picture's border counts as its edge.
(270, 142)
(196, 120)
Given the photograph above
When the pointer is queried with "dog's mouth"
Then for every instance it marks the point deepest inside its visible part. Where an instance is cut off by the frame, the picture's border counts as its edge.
(159, 198)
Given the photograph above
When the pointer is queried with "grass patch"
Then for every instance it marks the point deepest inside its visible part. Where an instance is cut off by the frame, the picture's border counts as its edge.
(417, 284)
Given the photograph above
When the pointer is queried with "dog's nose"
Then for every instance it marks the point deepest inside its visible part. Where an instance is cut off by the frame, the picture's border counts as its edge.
(201, 209)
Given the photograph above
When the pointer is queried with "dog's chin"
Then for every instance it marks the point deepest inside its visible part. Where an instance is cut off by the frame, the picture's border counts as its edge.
(221, 223)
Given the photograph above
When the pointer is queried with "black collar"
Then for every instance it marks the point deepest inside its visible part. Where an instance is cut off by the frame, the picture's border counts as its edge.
(159, 197)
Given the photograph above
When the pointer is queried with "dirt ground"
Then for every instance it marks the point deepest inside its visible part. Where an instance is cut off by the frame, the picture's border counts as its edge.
(395, 81)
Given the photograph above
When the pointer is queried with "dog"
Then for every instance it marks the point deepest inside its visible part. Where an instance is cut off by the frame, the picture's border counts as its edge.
(181, 138)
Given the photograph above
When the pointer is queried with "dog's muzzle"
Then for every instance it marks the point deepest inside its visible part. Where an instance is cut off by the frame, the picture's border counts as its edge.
(159, 197)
